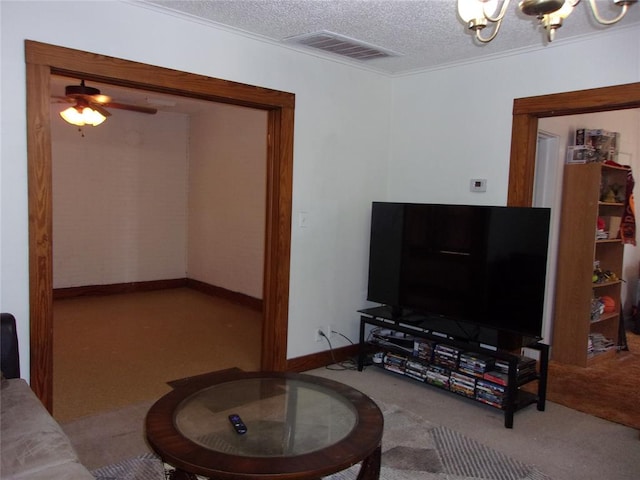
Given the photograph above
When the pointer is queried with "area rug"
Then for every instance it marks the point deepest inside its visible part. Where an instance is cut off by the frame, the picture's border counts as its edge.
(412, 449)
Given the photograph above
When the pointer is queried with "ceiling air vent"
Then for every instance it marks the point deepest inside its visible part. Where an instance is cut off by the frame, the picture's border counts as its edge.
(340, 45)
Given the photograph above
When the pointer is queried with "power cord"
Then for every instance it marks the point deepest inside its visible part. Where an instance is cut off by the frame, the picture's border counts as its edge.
(347, 364)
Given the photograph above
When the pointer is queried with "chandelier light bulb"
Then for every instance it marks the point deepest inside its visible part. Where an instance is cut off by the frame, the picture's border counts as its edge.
(476, 14)
(469, 10)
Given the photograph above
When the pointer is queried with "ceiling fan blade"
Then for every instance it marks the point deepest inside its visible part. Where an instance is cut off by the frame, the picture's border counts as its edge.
(100, 98)
(99, 108)
(132, 108)
(62, 99)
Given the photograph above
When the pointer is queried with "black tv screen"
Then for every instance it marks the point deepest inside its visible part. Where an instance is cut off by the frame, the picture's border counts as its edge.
(481, 265)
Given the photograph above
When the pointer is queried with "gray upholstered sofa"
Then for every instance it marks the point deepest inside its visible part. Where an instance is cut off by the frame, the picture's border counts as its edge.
(32, 444)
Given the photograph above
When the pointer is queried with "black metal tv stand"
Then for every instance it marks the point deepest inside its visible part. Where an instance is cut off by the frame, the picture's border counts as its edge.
(420, 328)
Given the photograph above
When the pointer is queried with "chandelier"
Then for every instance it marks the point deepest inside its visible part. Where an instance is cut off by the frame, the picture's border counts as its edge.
(477, 14)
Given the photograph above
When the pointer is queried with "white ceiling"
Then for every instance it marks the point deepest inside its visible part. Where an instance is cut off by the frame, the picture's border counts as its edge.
(427, 33)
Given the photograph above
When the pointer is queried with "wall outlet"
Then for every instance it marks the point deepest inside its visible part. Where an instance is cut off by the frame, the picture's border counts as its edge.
(329, 331)
(318, 334)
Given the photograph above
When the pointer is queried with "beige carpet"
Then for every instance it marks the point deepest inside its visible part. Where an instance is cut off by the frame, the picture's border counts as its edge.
(562, 443)
(413, 448)
(117, 350)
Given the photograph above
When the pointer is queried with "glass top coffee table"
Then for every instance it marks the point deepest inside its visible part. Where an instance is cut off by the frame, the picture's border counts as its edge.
(296, 426)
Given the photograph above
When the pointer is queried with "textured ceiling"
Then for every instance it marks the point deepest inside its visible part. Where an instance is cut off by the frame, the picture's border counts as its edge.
(427, 33)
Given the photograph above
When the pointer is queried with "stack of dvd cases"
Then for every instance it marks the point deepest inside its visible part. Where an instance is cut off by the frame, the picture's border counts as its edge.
(438, 376)
(394, 362)
(490, 393)
(496, 377)
(463, 384)
(475, 364)
(526, 368)
(416, 370)
(446, 356)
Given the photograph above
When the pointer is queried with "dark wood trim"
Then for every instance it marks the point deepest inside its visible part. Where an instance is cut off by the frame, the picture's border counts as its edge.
(617, 97)
(527, 111)
(234, 297)
(277, 256)
(43, 60)
(40, 233)
(117, 288)
(322, 359)
(102, 68)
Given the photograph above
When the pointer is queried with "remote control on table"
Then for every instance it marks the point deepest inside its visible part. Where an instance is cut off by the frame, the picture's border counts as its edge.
(238, 424)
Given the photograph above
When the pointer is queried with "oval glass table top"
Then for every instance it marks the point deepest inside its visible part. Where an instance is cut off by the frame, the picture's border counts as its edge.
(283, 417)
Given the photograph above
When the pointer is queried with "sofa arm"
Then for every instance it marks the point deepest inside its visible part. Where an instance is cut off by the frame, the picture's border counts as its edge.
(9, 358)
(33, 445)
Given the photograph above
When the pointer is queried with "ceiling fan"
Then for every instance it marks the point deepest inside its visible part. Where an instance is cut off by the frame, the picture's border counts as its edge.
(90, 106)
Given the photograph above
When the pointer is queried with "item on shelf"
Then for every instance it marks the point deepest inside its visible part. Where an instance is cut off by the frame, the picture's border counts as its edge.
(614, 193)
(580, 154)
(610, 225)
(597, 309)
(526, 367)
(599, 343)
(446, 356)
(490, 393)
(438, 376)
(603, 142)
(609, 304)
(423, 348)
(463, 384)
(389, 337)
(416, 370)
(604, 276)
(495, 376)
(475, 364)
(395, 363)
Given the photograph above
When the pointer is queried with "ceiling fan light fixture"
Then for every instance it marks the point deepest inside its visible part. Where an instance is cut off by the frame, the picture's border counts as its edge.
(476, 14)
(81, 115)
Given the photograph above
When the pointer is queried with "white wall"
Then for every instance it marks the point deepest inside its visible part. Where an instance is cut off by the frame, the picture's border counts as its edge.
(119, 199)
(227, 198)
(340, 147)
(454, 124)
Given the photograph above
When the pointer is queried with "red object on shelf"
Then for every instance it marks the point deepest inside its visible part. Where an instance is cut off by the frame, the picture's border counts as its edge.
(609, 304)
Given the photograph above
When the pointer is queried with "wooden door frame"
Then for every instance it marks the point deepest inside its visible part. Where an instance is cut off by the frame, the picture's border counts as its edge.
(524, 133)
(44, 60)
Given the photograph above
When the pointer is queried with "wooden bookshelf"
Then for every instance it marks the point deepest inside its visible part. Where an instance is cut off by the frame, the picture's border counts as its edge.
(578, 250)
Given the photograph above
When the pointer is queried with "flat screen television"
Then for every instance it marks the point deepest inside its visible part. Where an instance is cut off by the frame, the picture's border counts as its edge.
(461, 266)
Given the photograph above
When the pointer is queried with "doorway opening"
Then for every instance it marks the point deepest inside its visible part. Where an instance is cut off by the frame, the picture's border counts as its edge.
(42, 61)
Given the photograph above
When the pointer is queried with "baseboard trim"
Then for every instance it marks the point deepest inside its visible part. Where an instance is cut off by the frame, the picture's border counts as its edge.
(234, 297)
(132, 287)
(116, 288)
(321, 359)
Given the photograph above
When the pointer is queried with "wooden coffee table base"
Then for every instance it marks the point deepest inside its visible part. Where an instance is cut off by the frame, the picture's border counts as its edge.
(369, 469)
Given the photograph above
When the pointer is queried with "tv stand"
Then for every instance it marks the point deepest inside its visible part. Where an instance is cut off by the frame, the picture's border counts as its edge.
(438, 363)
